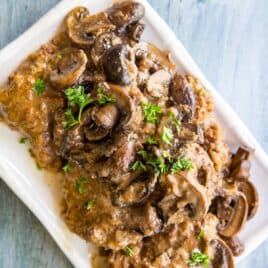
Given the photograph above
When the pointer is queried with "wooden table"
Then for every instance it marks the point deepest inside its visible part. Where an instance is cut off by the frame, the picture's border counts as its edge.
(229, 41)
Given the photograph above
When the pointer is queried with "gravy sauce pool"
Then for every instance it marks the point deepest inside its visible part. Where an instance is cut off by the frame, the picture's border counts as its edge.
(139, 162)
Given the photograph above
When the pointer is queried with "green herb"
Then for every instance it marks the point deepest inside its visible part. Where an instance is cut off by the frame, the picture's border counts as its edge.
(80, 185)
(39, 87)
(175, 122)
(181, 164)
(201, 234)
(77, 96)
(104, 99)
(23, 140)
(151, 141)
(159, 165)
(67, 168)
(137, 166)
(167, 135)
(198, 258)
(89, 204)
(70, 121)
(129, 251)
(143, 154)
(152, 112)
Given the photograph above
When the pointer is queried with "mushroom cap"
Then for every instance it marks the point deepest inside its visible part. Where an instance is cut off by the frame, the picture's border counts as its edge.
(222, 255)
(69, 68)
(237, 211)
(125, 13)
(83, 30)
(183, 94)
(251, 194)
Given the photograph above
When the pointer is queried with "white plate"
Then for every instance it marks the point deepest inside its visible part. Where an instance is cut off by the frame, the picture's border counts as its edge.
(19, 171)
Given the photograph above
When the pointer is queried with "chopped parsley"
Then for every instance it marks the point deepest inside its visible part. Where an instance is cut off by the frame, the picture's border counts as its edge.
(151, 141)
(89, 204)
(80, 185)
(104, 99)
(201, 234)
(70, 120)
(159, 165)
(76, 97)
(67, 168)
(143, 154)
(198, 258)
(138, 165)
(23, 140)
(39, 87)
(175, 122)
(152, 112)
(181, 164)
(167, 135)
(129, 251)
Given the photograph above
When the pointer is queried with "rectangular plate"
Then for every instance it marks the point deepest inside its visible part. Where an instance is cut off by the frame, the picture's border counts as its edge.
(19, 171)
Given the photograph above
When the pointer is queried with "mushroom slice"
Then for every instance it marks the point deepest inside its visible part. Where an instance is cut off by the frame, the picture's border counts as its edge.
(251, 194)
(118, 64)
(222, 255)
(183, 94)
(101, 44)
(138, 190)
(83, 30)
(103, 119)
(232, 213)
(135, 31)
(191, 133)
(69, 68)
(240, 166)
(125, 13)
(158, 84)
(235, 245)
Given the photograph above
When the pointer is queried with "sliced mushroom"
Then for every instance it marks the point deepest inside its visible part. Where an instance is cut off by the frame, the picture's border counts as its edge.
(158, 84)
(183, 94)
(191, 133)
(83, 29)
(222, 255)
(141, 186)
(69, 68)
(135, 30)
(240, 166)
(232, 212)
(101, 44)
(118, 65)
(125, 13)
(183, 198)
(251, 194)
(235, 245)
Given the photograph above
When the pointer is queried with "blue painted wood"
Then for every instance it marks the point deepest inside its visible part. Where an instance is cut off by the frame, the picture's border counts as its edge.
(229, 41)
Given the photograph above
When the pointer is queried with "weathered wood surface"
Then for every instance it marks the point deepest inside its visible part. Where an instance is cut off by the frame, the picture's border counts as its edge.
(229, 41)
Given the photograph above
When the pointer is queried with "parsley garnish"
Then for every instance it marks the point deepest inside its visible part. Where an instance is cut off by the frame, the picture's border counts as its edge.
(80, 183)
(138, 165)
(152, 112)
(167, 135)
(181, 164)
(198, 258)
(67, 168)
(201, 234)
(23, 140)
(77, 96)
(70, 121)
(159, 165)
(39, 87)
(151, 141)
(129, 251)
(175, 122)
(104, 99)
(89, 204)
(143, 154)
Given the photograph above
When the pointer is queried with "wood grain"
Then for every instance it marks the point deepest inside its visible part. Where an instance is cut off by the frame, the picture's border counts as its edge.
(229, 41)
